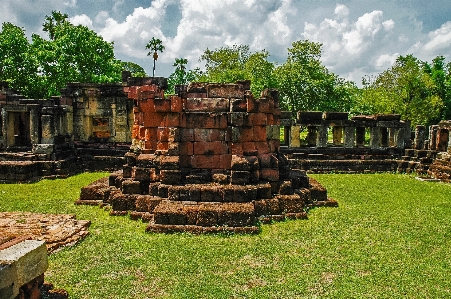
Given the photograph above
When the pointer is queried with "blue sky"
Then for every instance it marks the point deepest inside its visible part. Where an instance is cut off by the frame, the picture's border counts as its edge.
(359, 37)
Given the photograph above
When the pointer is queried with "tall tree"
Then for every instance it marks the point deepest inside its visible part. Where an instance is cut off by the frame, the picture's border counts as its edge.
(16, 64)
(229, 64)
(305, 84)
(406, 89)
(440, 73)
(135, 69)
(155, 45)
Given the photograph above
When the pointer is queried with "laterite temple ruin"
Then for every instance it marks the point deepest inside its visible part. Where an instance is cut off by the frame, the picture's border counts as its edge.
(209, 157)
(206, 160)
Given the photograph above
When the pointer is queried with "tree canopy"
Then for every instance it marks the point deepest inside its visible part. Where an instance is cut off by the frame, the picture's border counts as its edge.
(43, 67)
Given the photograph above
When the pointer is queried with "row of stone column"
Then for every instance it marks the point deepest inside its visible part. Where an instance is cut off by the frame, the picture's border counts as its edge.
(348, 136)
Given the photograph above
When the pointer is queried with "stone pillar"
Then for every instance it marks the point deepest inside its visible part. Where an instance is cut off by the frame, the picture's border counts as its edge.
(312, 135)
(349, 138)
(48, 130)
(321, 140)
(392, 133)
(360, 136)
(4, 125)
(34, 126)
(433, 137)
(384, 137)
(295, 140)
(399, 137)
(420, 136)
(337, 132)
(375, 137)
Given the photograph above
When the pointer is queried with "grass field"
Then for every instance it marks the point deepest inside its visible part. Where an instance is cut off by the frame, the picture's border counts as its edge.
(389, 238)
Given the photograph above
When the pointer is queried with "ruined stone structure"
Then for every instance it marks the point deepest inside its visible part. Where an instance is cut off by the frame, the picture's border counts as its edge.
(439, 145)
(88, 127)
(330, 141)
(206, 160)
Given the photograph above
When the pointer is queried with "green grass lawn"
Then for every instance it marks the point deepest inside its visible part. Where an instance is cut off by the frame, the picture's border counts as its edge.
(389, 238)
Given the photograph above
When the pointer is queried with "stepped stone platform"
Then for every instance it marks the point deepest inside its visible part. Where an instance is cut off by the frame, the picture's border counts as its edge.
(206, 160)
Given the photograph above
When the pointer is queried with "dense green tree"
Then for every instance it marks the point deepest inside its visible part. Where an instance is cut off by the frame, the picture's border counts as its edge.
(16, 64)
(440, 73)
(135, 69)
(305, 84)
(230, 64)
(42, 68)
(155, 45)
(405, 88)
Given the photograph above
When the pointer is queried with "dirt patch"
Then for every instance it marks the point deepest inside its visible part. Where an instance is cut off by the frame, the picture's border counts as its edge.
(57, 230)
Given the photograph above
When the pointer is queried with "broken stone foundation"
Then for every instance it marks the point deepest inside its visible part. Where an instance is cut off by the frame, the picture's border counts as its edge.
(206, 160)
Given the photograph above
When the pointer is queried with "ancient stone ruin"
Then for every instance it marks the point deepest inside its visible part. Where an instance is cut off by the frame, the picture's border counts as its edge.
(439, 144)
(334, 141)
(206, 160)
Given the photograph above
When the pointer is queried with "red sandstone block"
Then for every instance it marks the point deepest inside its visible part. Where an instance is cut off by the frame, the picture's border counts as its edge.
(246, 134)
(172, 120)
(207, 135)
(240, 119)
(133, 92)
(151, 134)
(186, 148)
(269, 174)
(186, 134)
(274, 145)
(259, 119)
(176, 104)
(194, 95)
(259, 133)
(236, 148)
(225, 91)
(248, 147)
(270, 119)
(162, 146)
(147, 106)
(210, 148)
(142, 132)
(204, 120)
(163, 134)
(204, 161)
(226, 162)
(150, 145)
(207, 105)
(152, 88)
(252, 104)
(263, 105)
(238, 105)
(154, 119)
(162, 105)
(145, 95)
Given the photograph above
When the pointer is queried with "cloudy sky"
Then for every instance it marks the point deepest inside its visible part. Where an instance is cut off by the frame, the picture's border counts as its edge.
(359, 37)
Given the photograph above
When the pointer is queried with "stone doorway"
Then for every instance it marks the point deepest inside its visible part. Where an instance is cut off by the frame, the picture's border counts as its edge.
(18, 130)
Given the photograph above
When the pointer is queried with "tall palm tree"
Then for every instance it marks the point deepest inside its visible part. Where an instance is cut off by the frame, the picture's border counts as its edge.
(155, 45)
